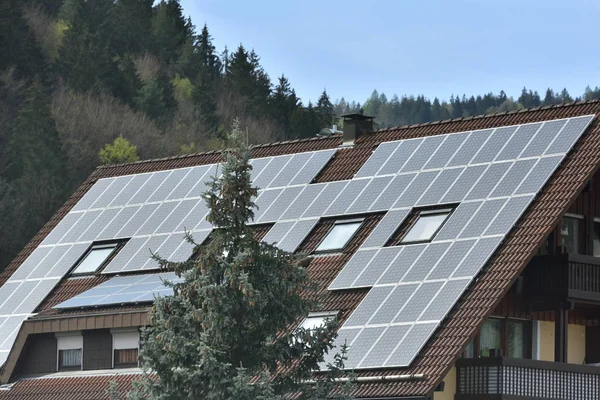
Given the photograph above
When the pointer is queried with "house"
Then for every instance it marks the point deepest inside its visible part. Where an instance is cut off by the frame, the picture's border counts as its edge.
(460, 256)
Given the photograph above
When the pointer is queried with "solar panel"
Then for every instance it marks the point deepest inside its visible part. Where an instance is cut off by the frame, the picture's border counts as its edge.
(130, 189)
(369, 194)
(377, 159)
(285, 176)
(297, 234)
(492, 187)
(420, 157)
(443, 154)
(413, 287)
(403, 152)
(371, 273)
(324, 199)
(126, 289)
(386, 228)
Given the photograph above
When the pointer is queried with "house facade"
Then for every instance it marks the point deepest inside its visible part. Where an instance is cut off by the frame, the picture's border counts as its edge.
(461, 258)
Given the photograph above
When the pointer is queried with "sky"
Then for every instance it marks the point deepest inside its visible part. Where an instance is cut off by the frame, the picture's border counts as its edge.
(432, 47)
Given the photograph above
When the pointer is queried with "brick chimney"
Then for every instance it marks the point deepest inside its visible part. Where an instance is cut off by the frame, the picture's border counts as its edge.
(355, 125)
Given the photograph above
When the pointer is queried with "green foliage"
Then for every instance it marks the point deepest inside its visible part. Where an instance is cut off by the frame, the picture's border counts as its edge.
(183, 88)
(121, 151)
(228, 322)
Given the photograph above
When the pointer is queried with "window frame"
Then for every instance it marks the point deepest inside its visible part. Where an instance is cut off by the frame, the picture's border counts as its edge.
(68, 341)
(324, 315)
(94, 246)
(580, 223)
(125, 339)
(418, 213)
(358, 221)
(475, 343)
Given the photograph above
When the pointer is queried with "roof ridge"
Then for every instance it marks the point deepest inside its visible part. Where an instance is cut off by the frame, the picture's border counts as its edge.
(211, 152)
(483, 116)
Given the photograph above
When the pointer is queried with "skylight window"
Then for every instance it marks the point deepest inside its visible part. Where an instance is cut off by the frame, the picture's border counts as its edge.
(316, 320)
(339, 235)
(428, 223)
(94, 259)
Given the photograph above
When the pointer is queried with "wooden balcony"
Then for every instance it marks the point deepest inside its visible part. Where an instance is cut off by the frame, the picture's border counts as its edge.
(553, 280)
(515, 379)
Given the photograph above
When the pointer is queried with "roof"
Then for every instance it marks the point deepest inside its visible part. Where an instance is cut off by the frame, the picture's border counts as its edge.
(464, 320)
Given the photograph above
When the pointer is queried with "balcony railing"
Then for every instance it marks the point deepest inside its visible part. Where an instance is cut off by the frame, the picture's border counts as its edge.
(515, 379)
(563, 277)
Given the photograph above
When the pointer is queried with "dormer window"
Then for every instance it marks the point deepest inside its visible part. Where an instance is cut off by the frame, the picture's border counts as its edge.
(94, 259)
(427, 224)
(339, 235)
(70, 351)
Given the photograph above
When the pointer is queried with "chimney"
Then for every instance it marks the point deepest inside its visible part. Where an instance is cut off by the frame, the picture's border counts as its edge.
(355, 125)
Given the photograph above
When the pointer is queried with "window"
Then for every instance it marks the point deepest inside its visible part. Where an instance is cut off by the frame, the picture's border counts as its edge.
(509, 337)
(126, 345)
(569, 232)
(70, 351)
(490, 336)
(428, 223)
(94, 259)
(339, 235)
(596, 238)
(517, 343)
(315, 320)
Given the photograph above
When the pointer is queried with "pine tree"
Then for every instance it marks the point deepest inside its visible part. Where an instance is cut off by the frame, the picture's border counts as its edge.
(283, 104)
(156, 98)
(132, 26)
(18, 47)
(34, 149)
(169, 30)
(325, 111)
(228, 321)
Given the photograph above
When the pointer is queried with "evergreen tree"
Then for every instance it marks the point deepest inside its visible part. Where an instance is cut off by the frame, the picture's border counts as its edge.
(208, 69)
(18, 46)
(132, 26)
(34, 162)
(325, 111)
(156, 98)
(284, 103)
(228, 321)
(169, 30)
(34, 149)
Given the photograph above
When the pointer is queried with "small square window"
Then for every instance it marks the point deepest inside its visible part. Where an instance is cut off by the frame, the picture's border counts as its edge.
(339, 235)
(428, 223)
(69, 359)
(94, 259)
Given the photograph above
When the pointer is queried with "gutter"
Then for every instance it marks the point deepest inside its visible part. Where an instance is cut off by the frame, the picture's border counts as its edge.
(376, 379)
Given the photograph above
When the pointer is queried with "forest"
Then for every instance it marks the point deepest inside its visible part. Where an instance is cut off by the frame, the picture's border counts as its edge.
(86, 83)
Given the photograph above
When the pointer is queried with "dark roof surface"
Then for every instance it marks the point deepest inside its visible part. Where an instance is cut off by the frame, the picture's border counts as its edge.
(440, 353)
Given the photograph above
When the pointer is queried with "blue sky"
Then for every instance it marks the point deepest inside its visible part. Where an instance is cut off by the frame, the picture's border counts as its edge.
(435, 48)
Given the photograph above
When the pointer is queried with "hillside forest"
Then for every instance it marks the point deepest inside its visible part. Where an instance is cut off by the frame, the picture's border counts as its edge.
(86, 83)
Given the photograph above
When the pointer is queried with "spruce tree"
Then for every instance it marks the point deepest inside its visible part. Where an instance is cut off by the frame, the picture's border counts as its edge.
(325, 111)
(225, 333)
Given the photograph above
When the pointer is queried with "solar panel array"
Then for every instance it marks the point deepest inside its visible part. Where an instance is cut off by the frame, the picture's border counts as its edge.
(152, 210)
(124, 289)
(491, 175)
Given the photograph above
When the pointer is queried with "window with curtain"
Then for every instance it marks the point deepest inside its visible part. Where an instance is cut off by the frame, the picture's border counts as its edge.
(69, 359)
(517, 342)
(569, 232)
(490, 336)
(126, 358)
